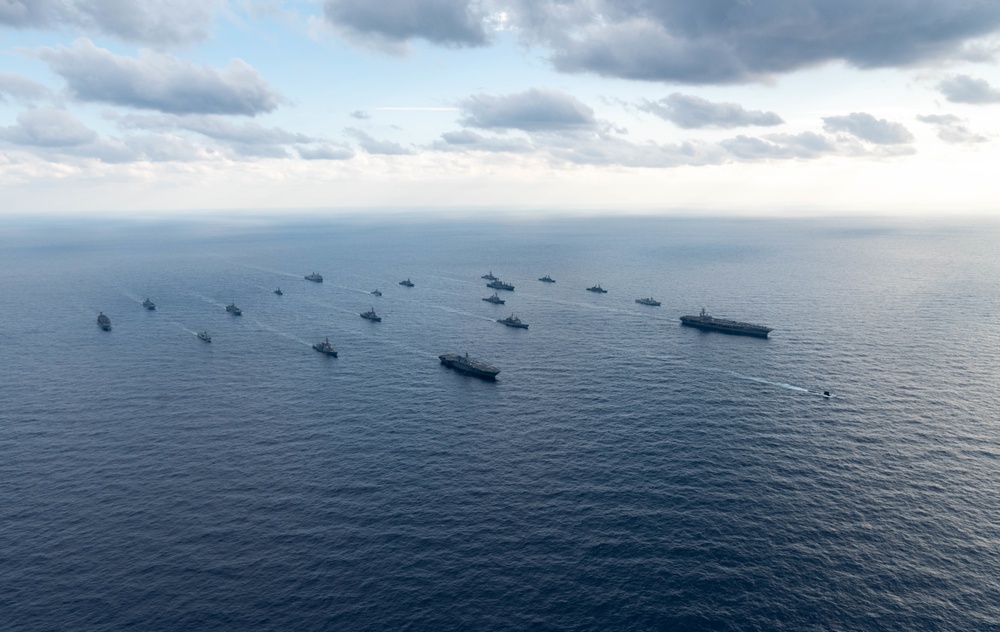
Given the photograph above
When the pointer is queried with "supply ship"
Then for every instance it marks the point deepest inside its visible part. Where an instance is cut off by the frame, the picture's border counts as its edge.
(497, 284)
(465, 364)
(723, 325)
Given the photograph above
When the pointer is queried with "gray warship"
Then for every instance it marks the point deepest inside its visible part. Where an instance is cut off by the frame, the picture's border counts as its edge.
(148, 304)
(278, 292)
(468, 365)
(103, 322)
(513, 321)
(648, 301)
(371, 315)
(203, 335)
(496, 300)
(325, 348)
(710, 323)
(407, 282)
(547, 279)
(315, 276)
(489, 276)
(232, 309)
(497, 284)
(597, 288)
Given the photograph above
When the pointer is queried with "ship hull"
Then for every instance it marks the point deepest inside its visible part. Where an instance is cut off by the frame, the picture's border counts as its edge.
(732, 328)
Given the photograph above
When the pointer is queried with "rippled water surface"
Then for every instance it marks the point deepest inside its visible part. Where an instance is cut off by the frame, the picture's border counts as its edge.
(623, 472)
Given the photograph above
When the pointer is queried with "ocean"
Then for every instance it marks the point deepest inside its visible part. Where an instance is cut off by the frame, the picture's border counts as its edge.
(622, 473)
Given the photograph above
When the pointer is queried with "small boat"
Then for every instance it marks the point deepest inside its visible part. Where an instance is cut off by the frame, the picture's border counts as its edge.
(148, 304)
(648, 301)
(371, 315)
(315, 276)
(597, 288)
(489, 276)
(232, 309)
(547, 279)
(376, 293)
(325, 348)
(407, 282)
(278, 292)
(497, 284)
(203, 335)
(827, 394)
(103, 322)
(496, 300)
(512, 321)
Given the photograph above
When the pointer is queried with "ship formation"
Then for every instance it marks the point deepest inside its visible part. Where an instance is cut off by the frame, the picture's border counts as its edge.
(482, 369)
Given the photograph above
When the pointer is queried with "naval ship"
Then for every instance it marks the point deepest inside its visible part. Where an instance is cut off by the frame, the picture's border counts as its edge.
(513, 321)
(325, 348)
(496, 300)
(489, 276)
(597, 288)
(465, 364)
(148, 304)
(315, 276)
(278, 292)
(371, 315)
(103, 322)
(547, 279)
(407, 282)
(497, 284)
(648, 301)
(203, 335)
(710, 323)
(232, 309)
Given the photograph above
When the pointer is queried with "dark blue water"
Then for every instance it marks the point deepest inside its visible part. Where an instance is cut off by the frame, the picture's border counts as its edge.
(624, 472)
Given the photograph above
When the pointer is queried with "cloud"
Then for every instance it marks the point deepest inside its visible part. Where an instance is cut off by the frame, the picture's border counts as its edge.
(151, 22)
(326, 151)
(534, 110)
(47, 127)
(737, 41)
(18, 88)
(868, 128)
(691, 112)
(468, 140)
(966, 89)
(807, 145)
(217, 127)
(360, 115)
(390, 24)
(373, 146)
(951, 129)
(155, 81)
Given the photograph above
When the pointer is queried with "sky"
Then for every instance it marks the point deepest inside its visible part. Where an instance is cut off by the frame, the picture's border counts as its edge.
(747, 107)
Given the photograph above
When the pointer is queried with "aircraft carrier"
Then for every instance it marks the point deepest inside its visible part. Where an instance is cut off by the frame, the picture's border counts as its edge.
(723, 325)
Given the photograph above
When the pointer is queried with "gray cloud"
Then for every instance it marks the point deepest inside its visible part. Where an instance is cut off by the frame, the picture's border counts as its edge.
(15, 87)
(534, 110)
(360, 115)
(388, 23)
(807, 145)
(468, 140)
(48, 127)
(868, 128)
(966, 89)
(690, 112)
(216, 127)
(156, 81)
(952, 129)
(326, 151)
(373, 146)
(152, 22)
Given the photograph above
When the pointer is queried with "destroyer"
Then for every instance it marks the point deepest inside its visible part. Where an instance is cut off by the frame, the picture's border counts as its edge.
(278, 292)
(407, 282)
(496, 300)
(148, 304)
(648, 301)
(232, 309)
(318, 278)
(513, 321)
(489, 276)
(465, 364)
(371, 315)
(710, 323)
(103, 322)
(203, 335)
(497, 284)
(547, 279)
(325, 348)
(597, 288)
(376, 293)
